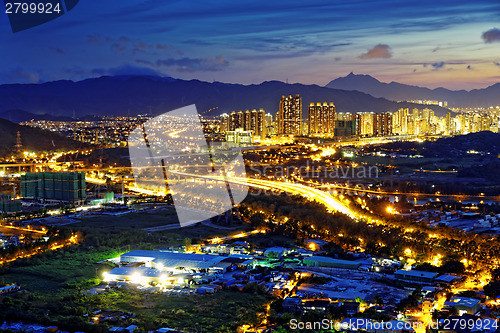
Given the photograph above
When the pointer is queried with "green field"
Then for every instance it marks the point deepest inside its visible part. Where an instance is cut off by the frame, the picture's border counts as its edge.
(221, 312)
(136, 220)
(408, 165)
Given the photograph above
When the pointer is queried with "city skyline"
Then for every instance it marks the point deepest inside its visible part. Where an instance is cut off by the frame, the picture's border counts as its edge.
(447, 44)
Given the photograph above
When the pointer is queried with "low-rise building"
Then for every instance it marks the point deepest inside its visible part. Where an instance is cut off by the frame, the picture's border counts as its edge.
(464, 305)
(174, 262)
(319, 261)
(415, 276)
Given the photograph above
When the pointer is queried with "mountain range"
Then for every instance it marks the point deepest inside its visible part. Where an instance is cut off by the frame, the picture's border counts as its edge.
(395, 91)
(131, 95)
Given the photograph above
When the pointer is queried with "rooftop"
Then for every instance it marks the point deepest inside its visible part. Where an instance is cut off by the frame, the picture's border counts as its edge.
(142, 271)
(172, 259)
(429, 275)
(463, 301)
(331, 260)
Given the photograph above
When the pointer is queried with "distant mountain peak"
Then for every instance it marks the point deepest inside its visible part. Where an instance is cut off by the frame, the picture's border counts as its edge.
(396, 91)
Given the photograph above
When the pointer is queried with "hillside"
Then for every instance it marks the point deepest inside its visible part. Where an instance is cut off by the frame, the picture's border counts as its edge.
(33, 139)
(19, 116)
(486, 144)
(123, 95)
(395, 91)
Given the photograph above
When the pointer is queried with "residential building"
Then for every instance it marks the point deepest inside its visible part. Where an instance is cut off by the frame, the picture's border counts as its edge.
(321, 119)
(289, 116)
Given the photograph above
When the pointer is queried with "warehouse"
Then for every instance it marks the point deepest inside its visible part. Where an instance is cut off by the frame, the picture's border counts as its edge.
(145, 275)
(415, 276)
(175, 262)
(137, 275)
(319, 261)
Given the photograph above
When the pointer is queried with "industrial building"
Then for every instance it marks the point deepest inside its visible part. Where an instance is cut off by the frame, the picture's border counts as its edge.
(54, 187)
(175, 262)
(415, 276)
(146, 275)
(319, 261)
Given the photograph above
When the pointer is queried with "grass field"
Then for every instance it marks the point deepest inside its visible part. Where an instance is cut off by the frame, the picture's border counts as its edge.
(136, 220)
(50, 273)
(407, 165)
(223, 311)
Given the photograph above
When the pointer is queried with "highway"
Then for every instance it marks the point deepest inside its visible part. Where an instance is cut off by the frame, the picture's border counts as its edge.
(332, 203)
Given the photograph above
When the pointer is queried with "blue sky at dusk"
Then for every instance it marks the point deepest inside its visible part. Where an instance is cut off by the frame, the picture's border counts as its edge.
(446, 43)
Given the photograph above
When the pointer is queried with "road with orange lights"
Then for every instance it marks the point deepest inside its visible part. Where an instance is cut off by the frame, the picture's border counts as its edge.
(332, 203)
(53, 247)
(23, 229)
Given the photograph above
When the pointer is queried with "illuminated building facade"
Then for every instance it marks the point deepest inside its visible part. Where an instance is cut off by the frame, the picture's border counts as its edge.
(289, 116)
(382, 124)
(254, 121)
(321, 119)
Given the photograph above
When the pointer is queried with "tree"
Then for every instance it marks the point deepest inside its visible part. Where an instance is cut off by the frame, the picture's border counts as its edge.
(453, 266)
(492, 289)
(495, 274)
(186, 242)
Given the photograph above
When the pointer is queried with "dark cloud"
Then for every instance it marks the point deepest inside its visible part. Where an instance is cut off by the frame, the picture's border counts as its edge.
(94, 39)
(437, 65)
(123, 39)
(162, 46)
(190, 65)
(118, 47)
(142, 45)
(378, 51)
(57, 50)
(491, 36)
(126, 70)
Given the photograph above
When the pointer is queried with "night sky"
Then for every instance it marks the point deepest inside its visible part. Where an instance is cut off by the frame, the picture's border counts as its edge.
(427, 42)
